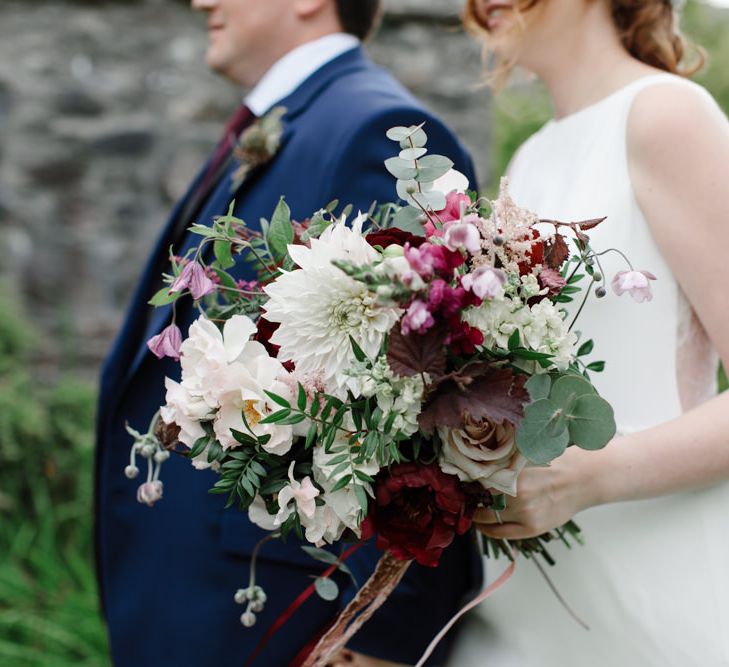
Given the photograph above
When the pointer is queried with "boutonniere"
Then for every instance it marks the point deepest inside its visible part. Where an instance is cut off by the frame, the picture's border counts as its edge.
(258, 145)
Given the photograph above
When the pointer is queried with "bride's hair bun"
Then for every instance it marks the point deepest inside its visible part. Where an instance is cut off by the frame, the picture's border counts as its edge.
(648, 29)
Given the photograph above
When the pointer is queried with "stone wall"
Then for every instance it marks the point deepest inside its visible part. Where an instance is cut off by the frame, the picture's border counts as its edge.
(106, 110)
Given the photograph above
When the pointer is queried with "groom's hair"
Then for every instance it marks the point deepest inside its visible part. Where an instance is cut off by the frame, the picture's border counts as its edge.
(358, 17)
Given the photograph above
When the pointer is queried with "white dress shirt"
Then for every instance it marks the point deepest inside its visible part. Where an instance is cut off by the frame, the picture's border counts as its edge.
(288, 73)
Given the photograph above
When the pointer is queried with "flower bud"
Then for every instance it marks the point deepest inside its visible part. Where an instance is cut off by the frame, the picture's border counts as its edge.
(597, 276)
(161, 456)
(393, 250)
(498, 240)
(600, 292)
(257, 606)
(131, 471)
(149, 493)
(248, 619)
(241, 596)
(384, 292)
(147, 451)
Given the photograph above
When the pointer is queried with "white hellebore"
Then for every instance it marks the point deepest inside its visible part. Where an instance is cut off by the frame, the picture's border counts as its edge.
(319, 307)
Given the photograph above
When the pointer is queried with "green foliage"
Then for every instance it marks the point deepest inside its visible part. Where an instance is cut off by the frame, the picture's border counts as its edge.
(48, 602)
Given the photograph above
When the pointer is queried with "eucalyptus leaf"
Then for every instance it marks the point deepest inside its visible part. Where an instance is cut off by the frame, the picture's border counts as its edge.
(327, 589)
(432, 167)
(538, 386)
(412, 154)
(410, 219)
(591, 422)
(398, 133)
(416, 138)
(532, 437)
(401, 169)
(430, 200)
(568, 388)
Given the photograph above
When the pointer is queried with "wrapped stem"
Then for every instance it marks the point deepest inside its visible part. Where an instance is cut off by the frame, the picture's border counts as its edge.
(369, 599)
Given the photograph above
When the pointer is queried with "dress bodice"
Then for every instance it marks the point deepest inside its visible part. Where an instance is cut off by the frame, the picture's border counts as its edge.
(658, 359)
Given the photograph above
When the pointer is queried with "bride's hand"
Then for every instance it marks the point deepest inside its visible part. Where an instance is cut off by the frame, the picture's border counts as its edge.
(546, 498)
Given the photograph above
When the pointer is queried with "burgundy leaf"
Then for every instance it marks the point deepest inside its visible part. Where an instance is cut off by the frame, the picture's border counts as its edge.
(556, 251)
(418, 353)
(498, 395)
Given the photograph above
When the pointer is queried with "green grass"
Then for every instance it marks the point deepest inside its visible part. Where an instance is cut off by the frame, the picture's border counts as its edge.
(49, 615)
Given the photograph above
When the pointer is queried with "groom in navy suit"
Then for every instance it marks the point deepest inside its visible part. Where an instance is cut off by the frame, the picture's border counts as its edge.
(168, 574)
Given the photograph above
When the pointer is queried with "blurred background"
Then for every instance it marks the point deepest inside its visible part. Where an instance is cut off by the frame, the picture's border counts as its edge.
(106, 111)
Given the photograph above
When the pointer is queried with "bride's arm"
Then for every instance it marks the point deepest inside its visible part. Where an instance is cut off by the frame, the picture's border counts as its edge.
(678, 150)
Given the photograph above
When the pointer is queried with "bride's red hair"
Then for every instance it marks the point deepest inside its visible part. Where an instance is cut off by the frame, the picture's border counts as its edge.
(648, 30)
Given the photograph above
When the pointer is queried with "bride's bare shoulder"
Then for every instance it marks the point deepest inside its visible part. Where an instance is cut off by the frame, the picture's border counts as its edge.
(671, 114)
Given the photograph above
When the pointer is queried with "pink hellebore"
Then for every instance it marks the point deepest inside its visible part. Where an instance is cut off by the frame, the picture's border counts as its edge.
(149, 493)
(418, 318)
(166, 343)
(194, 278)
(485, 282)
(462, 236)
(635, 282)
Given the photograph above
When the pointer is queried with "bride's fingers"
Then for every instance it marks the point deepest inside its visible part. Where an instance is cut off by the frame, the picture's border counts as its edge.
(486, 516)
(505, 531)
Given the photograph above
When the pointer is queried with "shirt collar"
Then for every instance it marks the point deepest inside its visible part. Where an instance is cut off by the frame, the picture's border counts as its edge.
(286, 75)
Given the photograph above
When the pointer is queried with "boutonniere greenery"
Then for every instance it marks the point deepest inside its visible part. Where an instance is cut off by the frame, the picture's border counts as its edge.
(258, 145)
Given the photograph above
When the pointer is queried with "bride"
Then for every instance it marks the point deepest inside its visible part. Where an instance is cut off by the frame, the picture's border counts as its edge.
(634, 140)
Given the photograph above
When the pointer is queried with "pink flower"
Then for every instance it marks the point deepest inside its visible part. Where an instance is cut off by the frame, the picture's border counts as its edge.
(303, 494)
(166, 343)
(635, 282)
(447, 300)
(456, 203)
(429, 259)
(193, 277)
(149, 493)
(418, 318)
(462, 236)
(485, 282)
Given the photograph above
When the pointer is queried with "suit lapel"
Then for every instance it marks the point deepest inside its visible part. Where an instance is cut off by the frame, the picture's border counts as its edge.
(218, 202)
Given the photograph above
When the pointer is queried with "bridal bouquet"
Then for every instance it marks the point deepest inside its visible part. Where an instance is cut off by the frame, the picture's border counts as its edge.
(384, 377)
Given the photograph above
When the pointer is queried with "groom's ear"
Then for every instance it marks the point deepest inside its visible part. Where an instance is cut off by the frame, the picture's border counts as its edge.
(359, 17)
(306, 9)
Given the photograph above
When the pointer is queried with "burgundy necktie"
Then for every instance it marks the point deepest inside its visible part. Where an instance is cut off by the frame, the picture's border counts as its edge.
(239, 121)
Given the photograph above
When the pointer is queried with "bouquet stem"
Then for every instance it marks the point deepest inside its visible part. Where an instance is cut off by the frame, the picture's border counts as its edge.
(369, 599)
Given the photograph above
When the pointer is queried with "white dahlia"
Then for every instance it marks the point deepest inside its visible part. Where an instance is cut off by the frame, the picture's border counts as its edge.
(319, 307)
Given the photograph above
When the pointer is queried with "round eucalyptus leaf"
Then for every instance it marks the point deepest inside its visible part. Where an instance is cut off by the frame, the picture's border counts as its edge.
(401, 169)
(591, 422)
(538, 437)
(538, 386)
(568, 388)
(416, 138)
(432, 167)
(398, 133)
(431, 200)
(326, 589)
(412, 153)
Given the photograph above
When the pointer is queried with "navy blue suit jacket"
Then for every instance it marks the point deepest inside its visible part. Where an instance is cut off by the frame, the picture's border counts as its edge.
(168, 573)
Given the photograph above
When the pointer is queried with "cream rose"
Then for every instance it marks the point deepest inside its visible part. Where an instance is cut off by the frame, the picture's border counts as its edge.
(483, 452)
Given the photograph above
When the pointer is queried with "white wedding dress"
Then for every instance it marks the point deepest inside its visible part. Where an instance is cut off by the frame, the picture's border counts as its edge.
(652, 581)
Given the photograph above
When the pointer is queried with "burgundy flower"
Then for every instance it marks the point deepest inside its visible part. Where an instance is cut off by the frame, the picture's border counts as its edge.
(418, 511)
(387, 237)
(535, 255)
(462, 337)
